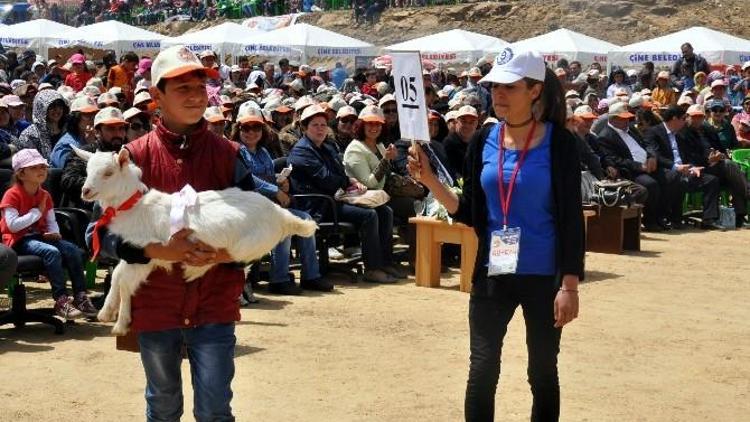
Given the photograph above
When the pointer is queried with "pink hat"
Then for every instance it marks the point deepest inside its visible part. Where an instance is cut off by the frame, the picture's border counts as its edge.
(143, 66)
(27, 158)
(77, 58)
(603, 105)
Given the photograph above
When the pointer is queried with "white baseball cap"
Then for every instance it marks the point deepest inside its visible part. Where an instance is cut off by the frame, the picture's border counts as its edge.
(250, 112)
(107, 98)
(131, 112)
(372, 114)
(303, 102)
(13, 100)
(142, 97)
(346, 111)
(513, 65)
(620, 109)
(466, 110)
(84, 104)
(214, 114)
(696, 110)
(176, 61)
(109, 116)
(387, 98)
(115, 90)
(311, 112)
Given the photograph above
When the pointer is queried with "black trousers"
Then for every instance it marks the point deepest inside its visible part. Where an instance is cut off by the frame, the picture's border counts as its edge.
(731, 176)
(490, 311)
(708, 185)
(665, 194)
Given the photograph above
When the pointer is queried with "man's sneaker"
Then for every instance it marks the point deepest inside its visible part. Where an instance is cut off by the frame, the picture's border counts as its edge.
(396, 270)
(317, 284)
(64, 308)
(83, 304)
(335, 254)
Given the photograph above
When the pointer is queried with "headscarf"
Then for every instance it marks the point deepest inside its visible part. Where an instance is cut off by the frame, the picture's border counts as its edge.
(38, 136)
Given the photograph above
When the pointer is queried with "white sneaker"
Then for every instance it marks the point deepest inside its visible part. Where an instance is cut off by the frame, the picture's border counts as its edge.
(334, 254)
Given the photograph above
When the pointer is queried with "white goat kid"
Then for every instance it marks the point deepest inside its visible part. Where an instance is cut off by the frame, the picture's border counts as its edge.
(246, 224)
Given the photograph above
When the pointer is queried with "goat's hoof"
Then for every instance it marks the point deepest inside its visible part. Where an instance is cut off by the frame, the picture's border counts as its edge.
(106, 316)
(120, 329)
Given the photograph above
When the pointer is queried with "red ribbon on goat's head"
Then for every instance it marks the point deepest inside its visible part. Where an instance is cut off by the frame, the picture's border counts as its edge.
(107, 217)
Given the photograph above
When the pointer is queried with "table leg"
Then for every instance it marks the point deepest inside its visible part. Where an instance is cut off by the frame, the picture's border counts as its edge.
(427, 263)
(469, 246)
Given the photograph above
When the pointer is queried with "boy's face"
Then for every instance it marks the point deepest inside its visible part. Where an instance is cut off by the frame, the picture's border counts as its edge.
(184, 99)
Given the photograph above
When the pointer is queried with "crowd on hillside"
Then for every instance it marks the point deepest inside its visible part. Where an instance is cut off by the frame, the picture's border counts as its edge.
(667, 131)
(149, 12)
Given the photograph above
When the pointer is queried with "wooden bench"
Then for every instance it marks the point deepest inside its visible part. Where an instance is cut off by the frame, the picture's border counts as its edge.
(614, 229)
(431, 234)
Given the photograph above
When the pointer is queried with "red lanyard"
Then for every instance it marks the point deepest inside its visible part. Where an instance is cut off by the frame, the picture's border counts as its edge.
(505, 200)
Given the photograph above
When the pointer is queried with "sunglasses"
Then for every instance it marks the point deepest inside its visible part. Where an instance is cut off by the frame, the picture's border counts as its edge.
(136, 126)
(717, 110)
(348, 121)
(251, 128)
(390, 111)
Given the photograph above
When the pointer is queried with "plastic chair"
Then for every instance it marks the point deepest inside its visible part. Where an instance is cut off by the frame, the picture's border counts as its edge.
(742, 157)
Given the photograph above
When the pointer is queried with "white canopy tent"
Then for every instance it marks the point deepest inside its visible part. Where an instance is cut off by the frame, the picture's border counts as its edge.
(306, 42)
(454, 46)
(227, 38)
(716, 47)
(38, 35)
(114, 35)
(571, 45)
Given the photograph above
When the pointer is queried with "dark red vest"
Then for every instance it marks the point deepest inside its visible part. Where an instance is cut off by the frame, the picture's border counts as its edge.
(207, 163)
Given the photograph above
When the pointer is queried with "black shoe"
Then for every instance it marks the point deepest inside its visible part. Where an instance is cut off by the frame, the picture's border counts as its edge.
(677, 225)
(664, 224)
(287, 288)
(711, 225)
(740, 221)
(317, 284)
(652, 228)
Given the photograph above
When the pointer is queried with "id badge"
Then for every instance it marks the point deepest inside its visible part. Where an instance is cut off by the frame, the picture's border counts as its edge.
(504, 249)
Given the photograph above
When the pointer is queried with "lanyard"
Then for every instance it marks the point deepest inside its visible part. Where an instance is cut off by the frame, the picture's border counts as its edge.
(505, 200)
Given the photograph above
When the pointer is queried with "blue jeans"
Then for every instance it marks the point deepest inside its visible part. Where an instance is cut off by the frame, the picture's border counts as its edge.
(308, 255)
(210, 350)
(54, 254)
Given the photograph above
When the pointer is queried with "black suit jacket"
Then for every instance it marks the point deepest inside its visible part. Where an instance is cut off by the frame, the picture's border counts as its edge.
(689, 153)
(616, 151)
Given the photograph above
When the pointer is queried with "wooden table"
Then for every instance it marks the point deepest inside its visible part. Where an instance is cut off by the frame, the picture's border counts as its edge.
(431, 234)
(614, 230)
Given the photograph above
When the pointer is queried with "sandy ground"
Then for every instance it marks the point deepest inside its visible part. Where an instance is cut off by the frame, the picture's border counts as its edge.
(664, 335)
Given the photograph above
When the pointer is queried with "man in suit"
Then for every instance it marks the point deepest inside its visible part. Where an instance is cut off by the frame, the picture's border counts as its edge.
(634, 160)
(684, 158)
(706, 142)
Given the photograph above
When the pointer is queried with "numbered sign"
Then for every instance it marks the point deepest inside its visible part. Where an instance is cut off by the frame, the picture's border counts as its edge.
(412, 107)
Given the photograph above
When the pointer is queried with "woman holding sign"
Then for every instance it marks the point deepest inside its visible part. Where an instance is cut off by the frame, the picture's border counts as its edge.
(530, 229)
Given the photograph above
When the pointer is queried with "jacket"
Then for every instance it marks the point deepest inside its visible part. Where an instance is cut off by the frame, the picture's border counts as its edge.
(166, 301)
(658, 138)
(362, 164)
(37, 135)
(16, 197)
(456, 150)
(568, 212)
(316, 170)
(616, 152)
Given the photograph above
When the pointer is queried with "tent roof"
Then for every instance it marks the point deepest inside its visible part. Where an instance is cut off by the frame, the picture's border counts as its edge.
(37, 28)
(701, 38)
(453, 40)
(302, 34)
(111, 31)
(227, 32)
(565, 40)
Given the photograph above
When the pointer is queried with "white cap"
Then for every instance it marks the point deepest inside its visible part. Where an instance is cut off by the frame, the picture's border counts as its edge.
(620, 109)
(107, 98)
(585, 112)
(142, 85)
(312, 111)
(466, 110)
(84, 104)
(451, 115)
(176, 61)
(337, 102)
(718, 82)
(303, 102)
(142, 97)
(684, 99)
(513, 65)
(45, 85)
(109, 116)
(372, 114)
(250, 112)
(115, 90)
(91, 91)
(97, 82)
(631, 72)
(13, 100)
(213, 114)
(131, 112)
(572, 93)
(696, 110)
(387, 98)
(746, 65)
(346, 111)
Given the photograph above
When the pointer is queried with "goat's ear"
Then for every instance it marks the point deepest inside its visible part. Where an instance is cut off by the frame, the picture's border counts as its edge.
(83, 155)
(123, 157)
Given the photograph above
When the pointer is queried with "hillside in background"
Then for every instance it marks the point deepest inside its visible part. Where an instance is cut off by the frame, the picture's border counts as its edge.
(618, 21)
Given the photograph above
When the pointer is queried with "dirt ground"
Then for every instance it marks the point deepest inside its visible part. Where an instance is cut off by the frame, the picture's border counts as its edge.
(664, 335)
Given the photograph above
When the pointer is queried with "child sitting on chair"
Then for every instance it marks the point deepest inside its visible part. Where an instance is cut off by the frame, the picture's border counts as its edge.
(28, 225)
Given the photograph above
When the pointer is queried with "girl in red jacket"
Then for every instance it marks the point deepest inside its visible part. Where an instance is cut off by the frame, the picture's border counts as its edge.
(28, 225)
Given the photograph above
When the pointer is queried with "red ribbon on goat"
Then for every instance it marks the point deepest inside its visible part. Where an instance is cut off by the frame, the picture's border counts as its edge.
(107, 217)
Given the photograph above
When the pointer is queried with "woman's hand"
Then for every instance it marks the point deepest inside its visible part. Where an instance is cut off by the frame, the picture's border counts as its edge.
(51, 237)
(284, 186)
(283, 198)
(566, 301)
(391, 153)
(419, 166)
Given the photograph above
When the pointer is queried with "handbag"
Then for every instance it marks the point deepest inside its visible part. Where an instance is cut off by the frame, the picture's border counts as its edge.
(403, 186)
(368, 199)
(613, 193)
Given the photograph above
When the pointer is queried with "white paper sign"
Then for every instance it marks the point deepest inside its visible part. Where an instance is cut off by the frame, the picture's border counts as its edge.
(410, 98)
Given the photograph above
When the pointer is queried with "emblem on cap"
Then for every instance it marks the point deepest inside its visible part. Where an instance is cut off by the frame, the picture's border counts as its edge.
(185, 55)
(504, 57)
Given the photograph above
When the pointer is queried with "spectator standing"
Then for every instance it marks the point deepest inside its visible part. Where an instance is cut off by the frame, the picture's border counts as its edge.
(662, 94)
(339, 75)
(685, 68)
(27, 60)
(122, 75)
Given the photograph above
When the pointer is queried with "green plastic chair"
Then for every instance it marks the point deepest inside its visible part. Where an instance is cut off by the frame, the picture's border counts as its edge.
(742, 157)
